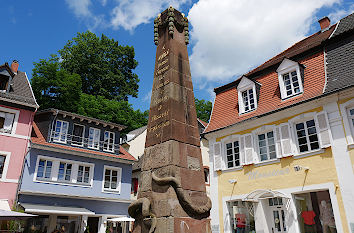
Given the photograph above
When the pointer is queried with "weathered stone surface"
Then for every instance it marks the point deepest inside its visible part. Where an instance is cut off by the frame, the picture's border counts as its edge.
(172, 179)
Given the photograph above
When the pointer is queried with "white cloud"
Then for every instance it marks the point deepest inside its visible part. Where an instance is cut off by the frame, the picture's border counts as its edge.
(340, 13)
(231, 37)
(128, 14)
(80, 7)
(147, 97)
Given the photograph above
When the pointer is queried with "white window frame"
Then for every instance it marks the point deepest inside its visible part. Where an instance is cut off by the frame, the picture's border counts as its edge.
(15, 121)
(288, 66)
(108, 143)
(302, 119)
(349, 129)
(6, 167)
(223, 142)
(246, 85)
(82, 136)
(65, 169)
(55, 171)
(60, 133)
(93, 139)
(264, 130)
(45, 168)
(83, 175)
(119, 179)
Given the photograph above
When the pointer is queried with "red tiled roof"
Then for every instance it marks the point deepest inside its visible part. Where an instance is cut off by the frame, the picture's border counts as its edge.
(39, 139)
(225, 109)
(203, 122)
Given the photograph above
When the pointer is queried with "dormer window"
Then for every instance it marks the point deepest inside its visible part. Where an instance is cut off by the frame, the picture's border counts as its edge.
(289, 76)
(247, 99)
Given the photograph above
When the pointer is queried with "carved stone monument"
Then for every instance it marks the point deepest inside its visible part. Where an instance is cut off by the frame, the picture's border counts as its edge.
(172, 196)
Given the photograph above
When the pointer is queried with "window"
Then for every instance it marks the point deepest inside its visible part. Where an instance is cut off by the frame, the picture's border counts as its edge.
(266, 146)
(206, 175)
(135, 186)
(307, 136)
(2, 164)
(108, 141)
(112, 179)
(6, 122)
(351, 118)
(83, 175)
(64, 173)
(61, 130)
(248, 100)
(233, 154)
(94, 138)
(289, 76)
(44, 169)
(275, 201)
(78, 135)
(291, 83)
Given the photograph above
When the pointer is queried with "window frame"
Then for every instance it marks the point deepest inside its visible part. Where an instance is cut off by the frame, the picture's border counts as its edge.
(246, 85)
(15, 120)
(286, 67)
(83, 175)
(45, 169)
(82, 136)
(65, 170)
(119, 179)
(60, 132)
(104, 141)
(55, 172)
(3, 177)
(349, 130)
(93, 139)
(224, 141)
(265, 132)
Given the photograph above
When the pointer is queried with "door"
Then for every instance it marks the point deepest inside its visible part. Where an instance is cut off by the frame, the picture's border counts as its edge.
(279, 225)
(92, 223)
(277, 213)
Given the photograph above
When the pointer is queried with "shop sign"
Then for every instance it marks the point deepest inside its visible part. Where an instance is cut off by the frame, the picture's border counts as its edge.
(276, 172)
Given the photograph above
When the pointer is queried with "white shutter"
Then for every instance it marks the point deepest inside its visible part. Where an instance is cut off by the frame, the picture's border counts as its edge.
(217, 156)
(241, 108)
(323, 129)
(285, 141)
(278, 142)
(9, 119)
(281, 86)
(242, 150)
(248, 149)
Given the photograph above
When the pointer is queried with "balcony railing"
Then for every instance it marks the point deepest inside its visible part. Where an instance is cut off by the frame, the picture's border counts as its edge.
(83, 142)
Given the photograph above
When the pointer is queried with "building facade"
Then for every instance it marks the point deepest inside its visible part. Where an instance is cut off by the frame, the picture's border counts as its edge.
(280, 140)
(17, 108)
(76, 175)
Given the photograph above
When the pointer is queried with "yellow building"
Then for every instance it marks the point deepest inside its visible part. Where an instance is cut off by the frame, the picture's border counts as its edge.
(281, 140)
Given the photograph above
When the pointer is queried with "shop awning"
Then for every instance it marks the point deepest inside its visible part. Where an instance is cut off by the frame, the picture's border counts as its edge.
(13, 215)
(263, 194)
(121, 219)
(53, 209)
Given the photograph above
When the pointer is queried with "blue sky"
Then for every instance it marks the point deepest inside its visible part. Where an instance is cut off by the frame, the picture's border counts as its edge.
(228, 37)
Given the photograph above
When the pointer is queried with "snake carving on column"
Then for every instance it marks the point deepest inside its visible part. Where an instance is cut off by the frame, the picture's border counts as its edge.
(144, 204)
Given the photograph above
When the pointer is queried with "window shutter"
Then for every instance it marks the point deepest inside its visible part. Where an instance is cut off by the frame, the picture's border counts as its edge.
(242, 150)
(278, 142)
(248, 149)
(323, 129)
(217, 157)
(281, 86)
(9, 119)
(285, 139)
(241, 108)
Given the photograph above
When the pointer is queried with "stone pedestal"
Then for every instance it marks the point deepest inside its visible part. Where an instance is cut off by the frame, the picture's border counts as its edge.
(172, 195)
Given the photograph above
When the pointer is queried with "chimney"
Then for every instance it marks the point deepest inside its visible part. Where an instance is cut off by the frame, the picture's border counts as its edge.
(14, 66)
(324, 23)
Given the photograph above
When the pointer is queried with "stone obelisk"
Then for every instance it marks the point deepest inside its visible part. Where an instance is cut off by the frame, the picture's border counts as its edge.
(172, 196)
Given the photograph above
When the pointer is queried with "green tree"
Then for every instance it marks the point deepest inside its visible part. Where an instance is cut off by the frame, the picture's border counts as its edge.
(203, 109)
(106, 68)
(55, 87)
(110, 110)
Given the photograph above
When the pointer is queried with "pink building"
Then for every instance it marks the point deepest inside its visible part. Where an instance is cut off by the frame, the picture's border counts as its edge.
(17, 108)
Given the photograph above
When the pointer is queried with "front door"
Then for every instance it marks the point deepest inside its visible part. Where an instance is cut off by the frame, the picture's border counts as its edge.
(277, 215)
(92, 223)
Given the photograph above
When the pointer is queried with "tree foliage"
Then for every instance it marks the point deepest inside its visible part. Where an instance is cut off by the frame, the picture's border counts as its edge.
(203, 109)
(106, 68)
(55, 87)
(93, 77)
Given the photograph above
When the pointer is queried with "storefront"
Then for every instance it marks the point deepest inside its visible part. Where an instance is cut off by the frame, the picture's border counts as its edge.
(309, 211)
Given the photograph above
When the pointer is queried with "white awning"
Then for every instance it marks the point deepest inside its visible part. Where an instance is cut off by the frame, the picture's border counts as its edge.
(53, 209)
(258, 194)
(13, 215)
(4, 205)
(121, 219)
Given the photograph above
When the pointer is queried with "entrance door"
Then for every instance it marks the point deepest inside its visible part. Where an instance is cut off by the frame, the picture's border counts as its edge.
(92, 223)
(277, 215)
